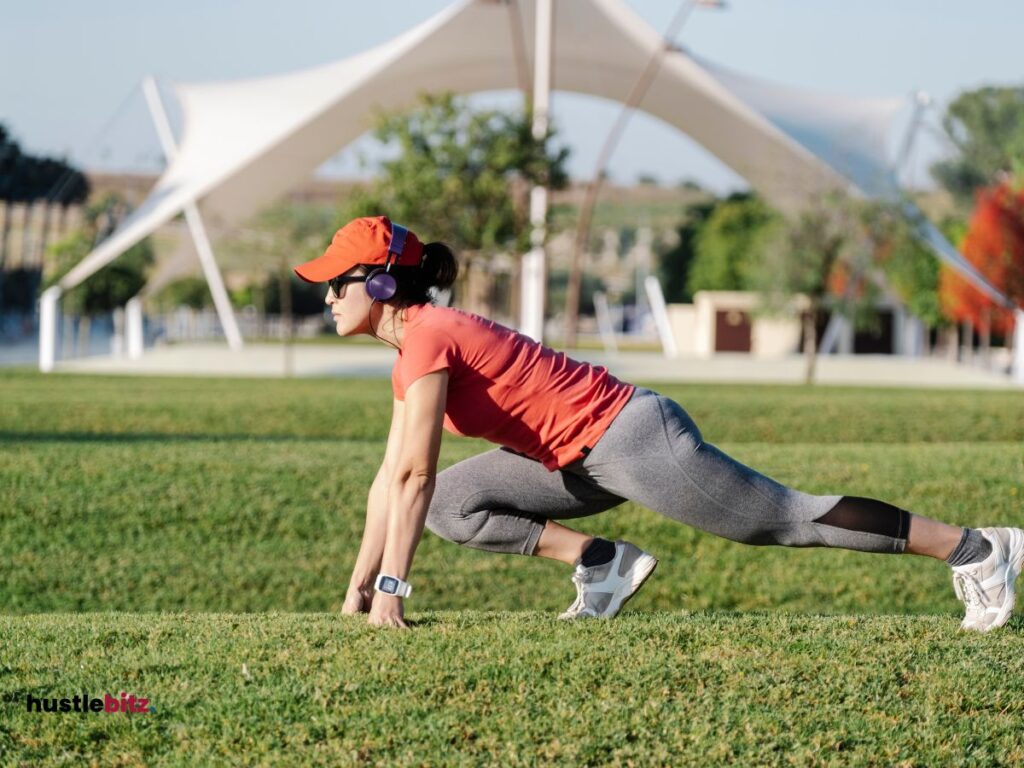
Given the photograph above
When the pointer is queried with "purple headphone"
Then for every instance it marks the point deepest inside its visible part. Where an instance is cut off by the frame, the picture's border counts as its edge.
(380, 283)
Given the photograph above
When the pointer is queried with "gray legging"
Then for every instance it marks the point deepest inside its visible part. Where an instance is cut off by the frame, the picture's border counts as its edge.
(653, 454)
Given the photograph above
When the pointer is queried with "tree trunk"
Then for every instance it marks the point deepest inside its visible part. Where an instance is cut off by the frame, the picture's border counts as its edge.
(810, 342)
(967, 346)
(26, 233)
(84, 328)
(285, 289)
(5, 233)
(952, 342)
(517, 292)
(986, 337)
(44, 235)
(4, 236)
(572, 299)
(67, 329)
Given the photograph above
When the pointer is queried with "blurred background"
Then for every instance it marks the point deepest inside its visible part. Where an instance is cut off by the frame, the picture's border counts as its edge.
(662, 234)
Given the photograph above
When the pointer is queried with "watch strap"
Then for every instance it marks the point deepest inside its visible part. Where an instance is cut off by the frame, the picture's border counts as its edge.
(402, 588)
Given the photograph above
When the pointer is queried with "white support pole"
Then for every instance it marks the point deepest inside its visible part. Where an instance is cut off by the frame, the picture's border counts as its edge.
(830, 338)
(642, 257)
(1018, 347)
(922, 100)
(48, 328)
(220, 295)
(195, 224)
(133, 327)
(532, 302)
(604, 323)
(660, 312)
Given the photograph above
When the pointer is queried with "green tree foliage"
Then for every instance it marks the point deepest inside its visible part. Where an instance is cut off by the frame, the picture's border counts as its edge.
(987, 125)
(185, 292)
(268, 246)
(674, 265)
(461, 176)
(113, 285)
(26, 178)
(911, 270)
(820, 251)
(729, 243)
(802, 254)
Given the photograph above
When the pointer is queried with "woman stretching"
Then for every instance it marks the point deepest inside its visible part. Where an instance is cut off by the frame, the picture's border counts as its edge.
(574, 441)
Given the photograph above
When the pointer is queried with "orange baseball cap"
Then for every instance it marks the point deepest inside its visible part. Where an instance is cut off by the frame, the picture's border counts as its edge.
(361, 241)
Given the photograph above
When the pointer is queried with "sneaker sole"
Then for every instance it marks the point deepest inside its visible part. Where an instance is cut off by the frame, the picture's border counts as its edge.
(639, 573)
(1006, 609)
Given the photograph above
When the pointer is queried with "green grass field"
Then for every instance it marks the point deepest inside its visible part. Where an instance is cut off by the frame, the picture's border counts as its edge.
(190, 540)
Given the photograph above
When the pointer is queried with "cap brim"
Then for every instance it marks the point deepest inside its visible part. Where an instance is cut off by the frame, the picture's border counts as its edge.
(321, 269)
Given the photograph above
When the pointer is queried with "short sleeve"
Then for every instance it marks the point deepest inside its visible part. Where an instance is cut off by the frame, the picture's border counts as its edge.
(429, 352)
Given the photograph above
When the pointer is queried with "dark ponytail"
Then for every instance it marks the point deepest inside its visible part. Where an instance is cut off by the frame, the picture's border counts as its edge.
(437, 270)
(439, 266)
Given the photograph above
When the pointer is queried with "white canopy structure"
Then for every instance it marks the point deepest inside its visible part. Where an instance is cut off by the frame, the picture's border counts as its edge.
(246, 142)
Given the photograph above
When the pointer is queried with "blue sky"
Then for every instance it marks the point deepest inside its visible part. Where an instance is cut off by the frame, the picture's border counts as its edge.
(69, 71)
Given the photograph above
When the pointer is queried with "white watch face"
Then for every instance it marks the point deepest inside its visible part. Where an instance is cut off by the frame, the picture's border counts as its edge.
(389, 585)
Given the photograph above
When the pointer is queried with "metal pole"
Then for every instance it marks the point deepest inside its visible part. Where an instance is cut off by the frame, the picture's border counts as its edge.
(134, 328)
(633, 99)
(48, 328)
(532, 302)
(604, 322)
(195, 223)
(922, 100)
(661, 320)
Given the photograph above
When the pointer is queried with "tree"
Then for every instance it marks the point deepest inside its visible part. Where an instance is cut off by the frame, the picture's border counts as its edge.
(994, 244)
(911, 270)
(462, 175)
(729, 243)
(190, 292)
(272, 241)
(113, 285)
(818, 253)
(674, 265)
(277, 237)
(26, 179)
(987, 126)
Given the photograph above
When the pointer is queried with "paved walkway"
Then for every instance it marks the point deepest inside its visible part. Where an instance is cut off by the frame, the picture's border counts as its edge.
(357, 360)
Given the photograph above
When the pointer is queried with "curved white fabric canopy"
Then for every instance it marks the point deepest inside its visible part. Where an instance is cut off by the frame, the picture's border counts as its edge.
(246, 142)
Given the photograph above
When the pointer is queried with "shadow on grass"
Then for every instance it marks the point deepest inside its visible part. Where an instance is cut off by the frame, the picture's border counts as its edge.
(162, 437)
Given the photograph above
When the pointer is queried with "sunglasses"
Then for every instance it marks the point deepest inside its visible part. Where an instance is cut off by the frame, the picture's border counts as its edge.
(337, 282)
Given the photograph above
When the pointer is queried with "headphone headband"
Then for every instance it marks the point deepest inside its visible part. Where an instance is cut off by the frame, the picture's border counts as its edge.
(398, 236)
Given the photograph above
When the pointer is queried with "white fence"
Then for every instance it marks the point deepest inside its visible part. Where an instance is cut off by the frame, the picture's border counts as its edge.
(185, 324)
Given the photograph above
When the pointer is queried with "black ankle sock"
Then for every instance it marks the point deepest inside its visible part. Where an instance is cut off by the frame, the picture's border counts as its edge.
(973, 548)
(598, 552)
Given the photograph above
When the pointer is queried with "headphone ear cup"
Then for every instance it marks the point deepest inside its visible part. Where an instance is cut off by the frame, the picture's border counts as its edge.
(380, 285)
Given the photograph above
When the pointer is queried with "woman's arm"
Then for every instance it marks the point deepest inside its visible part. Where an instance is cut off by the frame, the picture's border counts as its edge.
(412, 485)
(360, 588)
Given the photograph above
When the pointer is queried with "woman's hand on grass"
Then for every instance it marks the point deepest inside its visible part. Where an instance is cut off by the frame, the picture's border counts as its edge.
(357, 600)
(387, 612)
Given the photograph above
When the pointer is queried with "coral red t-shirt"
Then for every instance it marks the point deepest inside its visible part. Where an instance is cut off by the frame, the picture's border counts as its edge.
(506, 387)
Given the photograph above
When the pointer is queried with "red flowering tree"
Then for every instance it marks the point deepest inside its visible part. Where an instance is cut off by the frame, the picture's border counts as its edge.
(994, 244)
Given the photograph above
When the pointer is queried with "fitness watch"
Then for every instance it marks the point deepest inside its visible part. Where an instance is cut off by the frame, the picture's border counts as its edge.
(392, 585)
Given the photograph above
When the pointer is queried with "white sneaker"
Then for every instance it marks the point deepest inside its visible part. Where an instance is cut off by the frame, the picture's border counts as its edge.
(602, 590)
(986, 588)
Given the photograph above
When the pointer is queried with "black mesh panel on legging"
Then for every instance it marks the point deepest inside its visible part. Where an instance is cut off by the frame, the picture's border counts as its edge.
(868, 515)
